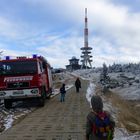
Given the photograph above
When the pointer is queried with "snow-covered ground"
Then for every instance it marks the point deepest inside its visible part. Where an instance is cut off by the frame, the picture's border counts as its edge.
(8, 117)
(120, 133)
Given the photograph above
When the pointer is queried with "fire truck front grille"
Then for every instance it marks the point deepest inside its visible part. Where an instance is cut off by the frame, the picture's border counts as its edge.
(18, 85)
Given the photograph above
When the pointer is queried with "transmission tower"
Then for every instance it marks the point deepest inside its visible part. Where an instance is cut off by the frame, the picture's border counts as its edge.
(86, 50)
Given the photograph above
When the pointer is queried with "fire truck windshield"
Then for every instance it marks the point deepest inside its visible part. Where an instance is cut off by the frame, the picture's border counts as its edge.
(18, 67)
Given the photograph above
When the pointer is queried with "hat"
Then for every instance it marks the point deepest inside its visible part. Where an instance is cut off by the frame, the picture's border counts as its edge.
(97, 103)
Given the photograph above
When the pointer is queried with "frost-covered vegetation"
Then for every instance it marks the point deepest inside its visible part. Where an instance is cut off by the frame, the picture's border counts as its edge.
(121, 76)
(133, 68)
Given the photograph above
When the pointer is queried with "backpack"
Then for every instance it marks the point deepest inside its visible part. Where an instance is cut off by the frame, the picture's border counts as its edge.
(102, 127)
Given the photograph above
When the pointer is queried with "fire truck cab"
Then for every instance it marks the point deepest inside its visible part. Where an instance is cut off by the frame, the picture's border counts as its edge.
(25, 78)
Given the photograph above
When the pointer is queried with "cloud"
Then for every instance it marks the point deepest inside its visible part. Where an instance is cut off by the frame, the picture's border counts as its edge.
(7, 29)
(62, 49)
(55, 30)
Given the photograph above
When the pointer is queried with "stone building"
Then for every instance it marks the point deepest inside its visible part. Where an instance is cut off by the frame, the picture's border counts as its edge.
(74, 64)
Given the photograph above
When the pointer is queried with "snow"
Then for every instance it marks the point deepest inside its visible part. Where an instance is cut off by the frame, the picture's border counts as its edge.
(7, 117)
(90, 92)
(8, 121)
(122, 134)
(128, 92)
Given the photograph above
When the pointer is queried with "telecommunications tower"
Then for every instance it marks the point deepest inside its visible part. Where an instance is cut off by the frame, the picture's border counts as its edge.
(86, 50)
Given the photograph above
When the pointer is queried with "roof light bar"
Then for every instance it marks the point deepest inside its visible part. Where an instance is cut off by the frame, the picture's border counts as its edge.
(20, 57)
(7, 57)
(34, 55)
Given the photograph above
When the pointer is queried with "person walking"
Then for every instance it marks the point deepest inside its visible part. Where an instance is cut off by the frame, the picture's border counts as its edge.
(77, 84)
(100, 124)
(63, 92)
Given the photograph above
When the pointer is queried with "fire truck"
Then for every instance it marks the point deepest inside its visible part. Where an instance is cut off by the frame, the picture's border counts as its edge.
(25, 78)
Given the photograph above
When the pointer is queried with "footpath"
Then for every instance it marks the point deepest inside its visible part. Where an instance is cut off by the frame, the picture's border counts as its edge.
(54, 121)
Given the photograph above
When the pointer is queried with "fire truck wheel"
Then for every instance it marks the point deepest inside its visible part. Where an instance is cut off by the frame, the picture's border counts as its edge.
(42, 102)
(7, 103)
(43, 97)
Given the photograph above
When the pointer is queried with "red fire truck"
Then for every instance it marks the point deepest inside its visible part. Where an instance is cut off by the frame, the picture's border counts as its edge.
(25, 78)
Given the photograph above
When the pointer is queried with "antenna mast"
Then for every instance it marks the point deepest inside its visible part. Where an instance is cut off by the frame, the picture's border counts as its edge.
(86, 49)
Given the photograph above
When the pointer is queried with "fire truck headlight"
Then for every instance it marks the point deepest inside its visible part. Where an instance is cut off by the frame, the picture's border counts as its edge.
(2, 93)
(34, 91)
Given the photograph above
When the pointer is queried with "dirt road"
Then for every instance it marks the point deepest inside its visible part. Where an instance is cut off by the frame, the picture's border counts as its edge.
(128, 112)
(55, 121)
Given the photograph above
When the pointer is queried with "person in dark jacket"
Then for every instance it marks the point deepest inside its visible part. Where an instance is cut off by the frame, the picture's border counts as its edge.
(63, 92)
(77, 84)
(97, 107)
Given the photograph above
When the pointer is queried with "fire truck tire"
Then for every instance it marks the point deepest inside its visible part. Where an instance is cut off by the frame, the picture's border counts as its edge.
(41, 102)
(7, 103)
(49, 96)
(43, 97)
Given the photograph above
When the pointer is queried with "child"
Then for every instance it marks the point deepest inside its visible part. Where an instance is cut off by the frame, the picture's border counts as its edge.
(100, 125)
(63, 92)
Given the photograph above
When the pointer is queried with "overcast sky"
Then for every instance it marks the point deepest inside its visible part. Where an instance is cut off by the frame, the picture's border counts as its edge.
(54, 29)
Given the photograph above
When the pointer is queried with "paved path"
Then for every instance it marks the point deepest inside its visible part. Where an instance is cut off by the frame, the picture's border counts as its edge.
(55, 121)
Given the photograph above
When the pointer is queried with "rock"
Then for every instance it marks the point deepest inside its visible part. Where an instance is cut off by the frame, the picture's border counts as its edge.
(137, 81)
